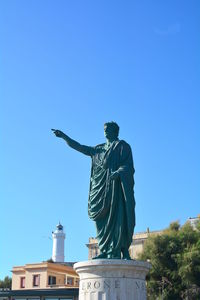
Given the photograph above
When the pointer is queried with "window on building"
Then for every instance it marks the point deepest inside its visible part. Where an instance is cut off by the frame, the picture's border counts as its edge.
(36, 280)
(51, 280)
(70, 280)
(76, 283)
(96, 251)
(22, 282)
(59, 298)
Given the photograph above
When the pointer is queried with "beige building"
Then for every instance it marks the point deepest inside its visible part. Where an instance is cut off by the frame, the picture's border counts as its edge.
(135, 249)
(43, 276)
(138, 240)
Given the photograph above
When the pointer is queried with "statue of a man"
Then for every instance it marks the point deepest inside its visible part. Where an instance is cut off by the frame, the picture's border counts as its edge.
(111, 202)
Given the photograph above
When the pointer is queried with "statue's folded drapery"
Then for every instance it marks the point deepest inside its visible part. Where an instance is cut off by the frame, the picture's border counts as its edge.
(111, 202)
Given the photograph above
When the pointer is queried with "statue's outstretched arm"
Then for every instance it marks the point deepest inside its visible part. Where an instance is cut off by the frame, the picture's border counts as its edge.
(87, 150)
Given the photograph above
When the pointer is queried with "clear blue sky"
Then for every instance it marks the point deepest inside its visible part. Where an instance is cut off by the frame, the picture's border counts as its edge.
(74, 65)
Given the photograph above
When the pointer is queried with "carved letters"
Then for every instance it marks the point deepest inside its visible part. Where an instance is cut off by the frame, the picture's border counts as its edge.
(108, 284)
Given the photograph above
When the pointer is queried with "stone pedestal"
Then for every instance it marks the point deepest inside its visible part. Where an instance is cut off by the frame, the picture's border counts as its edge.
(112, 279)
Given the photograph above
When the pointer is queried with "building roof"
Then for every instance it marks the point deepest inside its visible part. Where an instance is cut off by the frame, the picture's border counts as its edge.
(59, 267)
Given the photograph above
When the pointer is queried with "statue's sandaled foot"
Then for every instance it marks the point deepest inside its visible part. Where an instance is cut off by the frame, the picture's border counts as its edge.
(100, 256)
(114, 255)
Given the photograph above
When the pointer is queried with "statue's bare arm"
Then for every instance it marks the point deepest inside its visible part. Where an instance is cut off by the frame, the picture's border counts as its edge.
(87, 150)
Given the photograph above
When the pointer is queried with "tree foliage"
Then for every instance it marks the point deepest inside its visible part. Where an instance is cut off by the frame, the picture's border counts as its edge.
(6, 283)
(50, 260)
(175, 259)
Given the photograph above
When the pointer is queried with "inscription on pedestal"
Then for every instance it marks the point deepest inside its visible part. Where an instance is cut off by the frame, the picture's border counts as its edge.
(106, 284)
(99, 284)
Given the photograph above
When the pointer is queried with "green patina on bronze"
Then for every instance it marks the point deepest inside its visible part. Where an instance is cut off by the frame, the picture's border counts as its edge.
(111, 202)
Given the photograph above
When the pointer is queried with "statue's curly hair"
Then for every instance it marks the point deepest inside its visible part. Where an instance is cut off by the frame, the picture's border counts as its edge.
(114, 126)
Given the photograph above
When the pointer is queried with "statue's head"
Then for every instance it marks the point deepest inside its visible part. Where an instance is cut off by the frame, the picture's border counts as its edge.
(111, 130)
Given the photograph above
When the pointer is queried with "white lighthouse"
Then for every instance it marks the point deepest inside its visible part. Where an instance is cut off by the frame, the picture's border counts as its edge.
(58, 244)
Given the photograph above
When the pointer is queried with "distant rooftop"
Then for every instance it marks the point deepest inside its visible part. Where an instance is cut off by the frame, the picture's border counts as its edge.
(193, 221)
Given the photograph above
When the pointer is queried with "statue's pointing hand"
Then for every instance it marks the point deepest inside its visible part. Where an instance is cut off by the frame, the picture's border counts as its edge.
(58, 133)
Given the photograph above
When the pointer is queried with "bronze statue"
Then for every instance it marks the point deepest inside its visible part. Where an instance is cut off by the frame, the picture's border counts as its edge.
(111, 202)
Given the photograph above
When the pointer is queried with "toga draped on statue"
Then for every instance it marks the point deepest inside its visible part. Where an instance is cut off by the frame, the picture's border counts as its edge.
(111, 203)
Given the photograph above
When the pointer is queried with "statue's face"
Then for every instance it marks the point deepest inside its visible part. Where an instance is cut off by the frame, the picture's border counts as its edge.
(109, 132)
